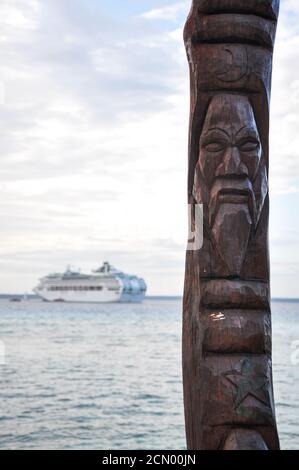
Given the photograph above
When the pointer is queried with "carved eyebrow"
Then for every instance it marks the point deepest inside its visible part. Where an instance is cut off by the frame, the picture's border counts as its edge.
(220, 130)
(250, 132)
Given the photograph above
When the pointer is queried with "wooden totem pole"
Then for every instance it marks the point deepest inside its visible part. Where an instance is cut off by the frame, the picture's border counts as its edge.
(227, 366)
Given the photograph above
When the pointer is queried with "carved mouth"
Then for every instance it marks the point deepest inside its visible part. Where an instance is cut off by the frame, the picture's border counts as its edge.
(228, 27)
(230, 191)
(233, 196)
(239, 13)
(267, 9)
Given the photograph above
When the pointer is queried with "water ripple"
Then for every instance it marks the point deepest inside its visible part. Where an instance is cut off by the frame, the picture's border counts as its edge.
(109, 377)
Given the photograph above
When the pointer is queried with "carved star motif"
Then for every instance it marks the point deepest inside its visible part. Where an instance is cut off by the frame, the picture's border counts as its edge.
(249, 382)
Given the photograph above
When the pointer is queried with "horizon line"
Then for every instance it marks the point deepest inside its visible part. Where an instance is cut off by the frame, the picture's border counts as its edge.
(149, 297)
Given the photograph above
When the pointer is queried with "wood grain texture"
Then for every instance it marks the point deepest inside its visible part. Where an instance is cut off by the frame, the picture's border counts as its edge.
(227, 366)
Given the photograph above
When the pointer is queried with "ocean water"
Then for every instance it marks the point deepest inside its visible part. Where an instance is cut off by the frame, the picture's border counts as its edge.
(109, 376)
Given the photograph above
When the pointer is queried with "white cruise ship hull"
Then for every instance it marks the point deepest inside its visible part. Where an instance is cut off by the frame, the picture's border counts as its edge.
(89, 297)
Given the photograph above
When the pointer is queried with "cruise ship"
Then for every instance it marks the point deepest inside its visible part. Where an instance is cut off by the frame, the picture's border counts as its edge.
(104, 285)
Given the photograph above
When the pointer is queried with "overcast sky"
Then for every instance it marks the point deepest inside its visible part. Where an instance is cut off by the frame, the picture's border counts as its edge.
(93, 141)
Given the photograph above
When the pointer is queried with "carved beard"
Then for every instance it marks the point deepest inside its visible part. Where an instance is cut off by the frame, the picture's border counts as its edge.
(235, 206)
(231, 231)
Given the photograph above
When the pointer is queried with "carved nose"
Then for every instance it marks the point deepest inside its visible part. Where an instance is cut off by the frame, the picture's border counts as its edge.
(232, 164)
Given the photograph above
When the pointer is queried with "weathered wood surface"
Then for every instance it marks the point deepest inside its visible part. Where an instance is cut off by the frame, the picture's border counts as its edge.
(227, 366)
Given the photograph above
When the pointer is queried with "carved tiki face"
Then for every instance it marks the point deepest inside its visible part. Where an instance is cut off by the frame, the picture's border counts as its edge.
(230, 155)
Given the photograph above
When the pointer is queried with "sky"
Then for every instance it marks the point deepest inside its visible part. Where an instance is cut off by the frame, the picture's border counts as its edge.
(94, 108)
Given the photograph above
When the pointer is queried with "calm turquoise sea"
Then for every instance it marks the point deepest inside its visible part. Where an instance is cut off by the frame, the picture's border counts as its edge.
(109, 376)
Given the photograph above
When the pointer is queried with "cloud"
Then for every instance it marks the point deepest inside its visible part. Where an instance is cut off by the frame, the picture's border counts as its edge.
(169, 12)
(284, 150)
(93, 126)
(93, 137)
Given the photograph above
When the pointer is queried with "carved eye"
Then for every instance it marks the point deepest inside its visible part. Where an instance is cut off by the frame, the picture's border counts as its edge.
(215, 146)
(249, 145)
